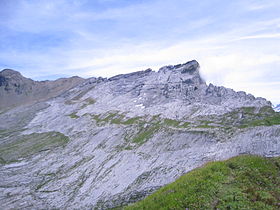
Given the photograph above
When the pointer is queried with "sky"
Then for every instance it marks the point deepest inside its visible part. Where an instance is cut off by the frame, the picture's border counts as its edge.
(237, 43)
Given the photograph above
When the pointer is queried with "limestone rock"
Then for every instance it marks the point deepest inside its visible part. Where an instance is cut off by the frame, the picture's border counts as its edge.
(127, 136)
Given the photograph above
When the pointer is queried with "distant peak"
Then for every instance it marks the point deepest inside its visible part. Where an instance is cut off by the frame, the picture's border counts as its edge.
(9, 72)
(191, 63)
(188, 67)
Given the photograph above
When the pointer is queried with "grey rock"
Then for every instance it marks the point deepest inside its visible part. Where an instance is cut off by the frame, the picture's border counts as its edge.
(129, 135)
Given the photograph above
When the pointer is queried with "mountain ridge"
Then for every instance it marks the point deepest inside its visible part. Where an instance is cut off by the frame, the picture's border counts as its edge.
(16, 89)
(109, 142)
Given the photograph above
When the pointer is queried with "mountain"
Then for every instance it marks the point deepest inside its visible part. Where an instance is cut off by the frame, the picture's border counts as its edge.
(277, 108)
(109, 142)
(17, 90)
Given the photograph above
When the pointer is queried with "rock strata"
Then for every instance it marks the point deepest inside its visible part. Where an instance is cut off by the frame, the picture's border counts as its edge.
(109, 142)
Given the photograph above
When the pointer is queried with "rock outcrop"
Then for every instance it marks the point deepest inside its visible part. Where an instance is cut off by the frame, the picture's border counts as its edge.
(109, 142)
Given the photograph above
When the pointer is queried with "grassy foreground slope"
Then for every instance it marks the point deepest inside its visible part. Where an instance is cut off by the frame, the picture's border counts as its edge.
(243, 182)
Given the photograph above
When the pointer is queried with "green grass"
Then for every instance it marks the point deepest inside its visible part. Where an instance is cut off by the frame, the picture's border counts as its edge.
(241, 118)
(73, 115)
(142, 128)
(90, 101)
(87, 102)
(27, 145)
(132, 121)
(243, 182)
(121, 119)
(76, 98)
(108, 118)
(171, 123)
(267, 121)
(266, 116)
(145, 133)
(205, 124)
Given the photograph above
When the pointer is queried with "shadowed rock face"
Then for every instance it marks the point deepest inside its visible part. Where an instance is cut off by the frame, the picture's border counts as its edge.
(109, 142)
(17, 90)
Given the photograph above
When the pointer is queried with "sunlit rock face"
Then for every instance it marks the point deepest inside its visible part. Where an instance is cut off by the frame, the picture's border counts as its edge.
(108, 142)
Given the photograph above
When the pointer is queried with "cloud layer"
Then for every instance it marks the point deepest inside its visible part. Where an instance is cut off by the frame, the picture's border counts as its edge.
(237, 43)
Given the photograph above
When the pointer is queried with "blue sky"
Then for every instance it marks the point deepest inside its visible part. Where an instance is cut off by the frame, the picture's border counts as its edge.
(237, 43)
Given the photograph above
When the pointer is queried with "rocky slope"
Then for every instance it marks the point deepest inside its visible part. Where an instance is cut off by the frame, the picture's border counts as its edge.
(17, 90)
(109, 142)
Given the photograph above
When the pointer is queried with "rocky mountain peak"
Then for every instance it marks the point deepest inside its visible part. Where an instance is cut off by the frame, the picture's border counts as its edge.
(188, 67)
(104, 143)
(187, 73)
(11, 79)
(9, 72)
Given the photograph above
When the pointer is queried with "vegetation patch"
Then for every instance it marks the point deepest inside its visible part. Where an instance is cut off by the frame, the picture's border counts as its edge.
(140, 128)
(87, 102)
(26, 145)
(252, 117)
(132, 121)
(76, 98)
(243, 182)
(109, 118)
(121, 119)
(145, 133)
(73, 115)
(241, 118)
(4, 133)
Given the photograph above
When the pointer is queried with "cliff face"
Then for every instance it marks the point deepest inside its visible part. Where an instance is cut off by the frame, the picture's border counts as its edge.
(108, 142)
(17, 90)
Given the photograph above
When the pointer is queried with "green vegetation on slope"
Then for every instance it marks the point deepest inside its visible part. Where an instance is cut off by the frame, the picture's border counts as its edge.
(145, 133)
(141, 129)
(73, 115)
(26, 145)
(120, 119)
(238, 118)
(251, 117)
(243, 182)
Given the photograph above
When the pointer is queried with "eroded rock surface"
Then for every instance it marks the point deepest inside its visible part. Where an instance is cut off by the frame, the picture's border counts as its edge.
(122, 138)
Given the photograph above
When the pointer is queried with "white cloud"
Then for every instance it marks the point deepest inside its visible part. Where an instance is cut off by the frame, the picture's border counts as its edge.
(260, 5)
(261, 36)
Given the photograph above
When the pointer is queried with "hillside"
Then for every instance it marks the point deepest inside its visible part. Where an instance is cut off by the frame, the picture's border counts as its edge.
(109, 142)
(244, 182)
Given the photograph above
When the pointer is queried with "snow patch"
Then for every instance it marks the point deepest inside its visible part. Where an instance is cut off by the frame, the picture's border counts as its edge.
(140, 105)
